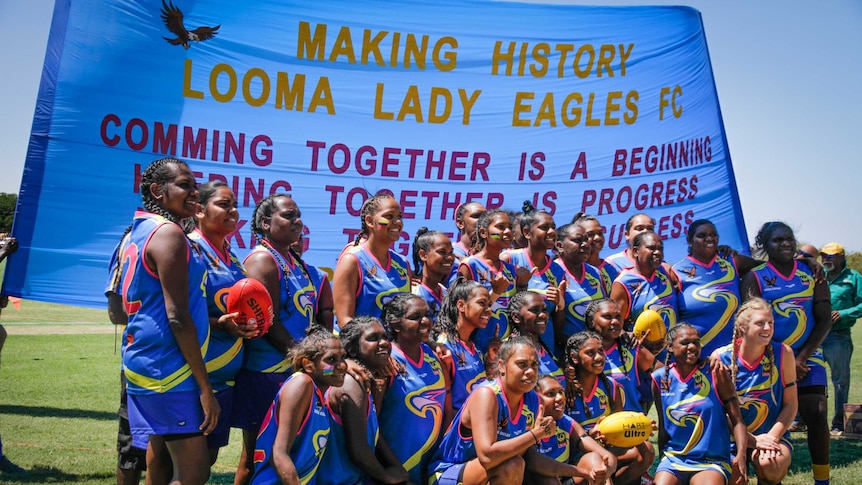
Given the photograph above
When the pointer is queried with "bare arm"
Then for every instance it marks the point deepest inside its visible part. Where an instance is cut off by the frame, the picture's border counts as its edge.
(261, 267)
(749, 288)
(621, 297)
(167, 254)
(822, 321)
(293, 402)
(116, 311)
(727, 394)
(345, 284)
(325, 305)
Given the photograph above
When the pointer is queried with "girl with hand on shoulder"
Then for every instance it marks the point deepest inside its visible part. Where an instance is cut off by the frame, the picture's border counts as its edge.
(494, 436)
(591, 396)
(368, 277)
(216, 219)
(695, 403)
(277, 224)
(493, 235)
(417, 399)
(757, 363)
(433, 259)
(466, 308)
(355, 452)
(294, 432)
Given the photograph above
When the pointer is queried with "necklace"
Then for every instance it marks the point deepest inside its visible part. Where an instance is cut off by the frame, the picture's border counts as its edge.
(284, 269)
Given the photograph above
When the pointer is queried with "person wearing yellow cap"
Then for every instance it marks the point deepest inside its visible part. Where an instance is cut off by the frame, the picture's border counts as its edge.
(845, 287)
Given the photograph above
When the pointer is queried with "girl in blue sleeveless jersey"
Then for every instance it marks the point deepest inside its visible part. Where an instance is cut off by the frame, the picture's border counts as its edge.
(592, 396)
(466, 217)
(802, 312)
(570, 443)
(583, 282)
(535, 262)
(529, 316)
(277, 224)
(296, 428)
(765, 376)
(625, 358)
(466, 308)
(367, 278)
(596, 236)
(216, 219)
(433, 260)
(493, 437)
(646, 285)
(355, 452)
(694, 403)
(493, 235)
(635, 225)
(417, 406)
(170, 395)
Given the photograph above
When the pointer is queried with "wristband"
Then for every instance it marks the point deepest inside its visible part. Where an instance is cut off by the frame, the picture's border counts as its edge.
(534, 436)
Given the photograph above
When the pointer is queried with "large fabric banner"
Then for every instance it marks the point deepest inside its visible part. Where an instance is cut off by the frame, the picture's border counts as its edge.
(606, 110)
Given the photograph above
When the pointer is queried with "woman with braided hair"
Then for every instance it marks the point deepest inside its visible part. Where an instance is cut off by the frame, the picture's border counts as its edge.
(696, 405)
(368, 277)
(758, 364)
(171, 400)
(591, 396)
(277, 224)
(433, 260)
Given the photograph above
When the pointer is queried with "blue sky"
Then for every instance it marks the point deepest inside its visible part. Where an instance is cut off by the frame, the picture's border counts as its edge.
(788, 76)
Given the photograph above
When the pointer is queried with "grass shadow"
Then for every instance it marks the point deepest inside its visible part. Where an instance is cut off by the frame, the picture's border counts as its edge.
(842, 453)
(51, 412)
(48, 474)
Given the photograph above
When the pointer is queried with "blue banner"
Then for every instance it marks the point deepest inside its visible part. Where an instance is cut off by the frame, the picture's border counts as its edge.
(606, 110)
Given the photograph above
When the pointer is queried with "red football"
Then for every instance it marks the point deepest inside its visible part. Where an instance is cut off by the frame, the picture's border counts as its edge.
(249, 298)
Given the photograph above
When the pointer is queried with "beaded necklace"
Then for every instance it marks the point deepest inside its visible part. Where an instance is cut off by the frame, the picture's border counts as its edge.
(284, 269)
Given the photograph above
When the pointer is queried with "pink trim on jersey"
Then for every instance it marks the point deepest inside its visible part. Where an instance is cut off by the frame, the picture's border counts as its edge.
(506, 402)
(788, 277)
(222, 254)
(569, 273)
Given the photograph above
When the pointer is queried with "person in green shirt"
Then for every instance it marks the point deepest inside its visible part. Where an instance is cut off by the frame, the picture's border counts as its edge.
(845, 287)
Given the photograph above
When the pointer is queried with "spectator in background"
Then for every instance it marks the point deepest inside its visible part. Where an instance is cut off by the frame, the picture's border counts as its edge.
(845, 287)
(9, 246)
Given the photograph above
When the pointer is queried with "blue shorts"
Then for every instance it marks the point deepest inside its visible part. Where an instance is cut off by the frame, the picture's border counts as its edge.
(253, 395)
(219, 436)
(164, 414)
(816, 371)
(454, 475)
(684, 469)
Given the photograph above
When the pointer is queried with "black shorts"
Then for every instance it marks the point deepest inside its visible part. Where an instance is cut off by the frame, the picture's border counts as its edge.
(128, 457)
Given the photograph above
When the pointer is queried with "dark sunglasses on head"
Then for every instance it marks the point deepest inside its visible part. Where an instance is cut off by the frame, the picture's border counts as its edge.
(803, 254)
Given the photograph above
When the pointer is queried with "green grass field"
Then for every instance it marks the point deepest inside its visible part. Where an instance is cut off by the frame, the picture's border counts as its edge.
(59, 390)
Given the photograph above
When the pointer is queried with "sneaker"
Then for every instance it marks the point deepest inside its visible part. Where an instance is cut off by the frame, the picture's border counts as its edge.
(647, 479)
(835, 431)
(796, 426)
(7, 466)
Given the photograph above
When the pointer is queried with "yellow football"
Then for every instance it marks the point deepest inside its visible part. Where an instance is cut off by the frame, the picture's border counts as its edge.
(652, 321)
(626, 429)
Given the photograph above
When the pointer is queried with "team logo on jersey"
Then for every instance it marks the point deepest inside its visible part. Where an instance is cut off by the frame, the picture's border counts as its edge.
(372, 272)
(770, 280)
(636, 287)
(690, 272)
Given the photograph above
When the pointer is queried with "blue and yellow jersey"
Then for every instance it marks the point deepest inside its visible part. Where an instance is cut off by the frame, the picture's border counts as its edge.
(559, 445)
(378, 282)
(414, 401)
(152, 361)
(620, 261)
(457, 445)
(709, 299)
(792, 300)
(461, 253)
(540, 280)
(760, 387)
(498, 325)
(297, 310)
(548, 366)
(655, 293)
(225, 353)
(307, 449)
(434, 303)
(697, 429)
(580, 292)
(339, 470)
(621, 365)
(468, 369)
(595, 403)
(609, 273)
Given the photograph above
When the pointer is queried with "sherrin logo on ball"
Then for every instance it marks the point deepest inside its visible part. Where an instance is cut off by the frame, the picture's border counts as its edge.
(626, 429)
(650, 320)
(249, 298)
